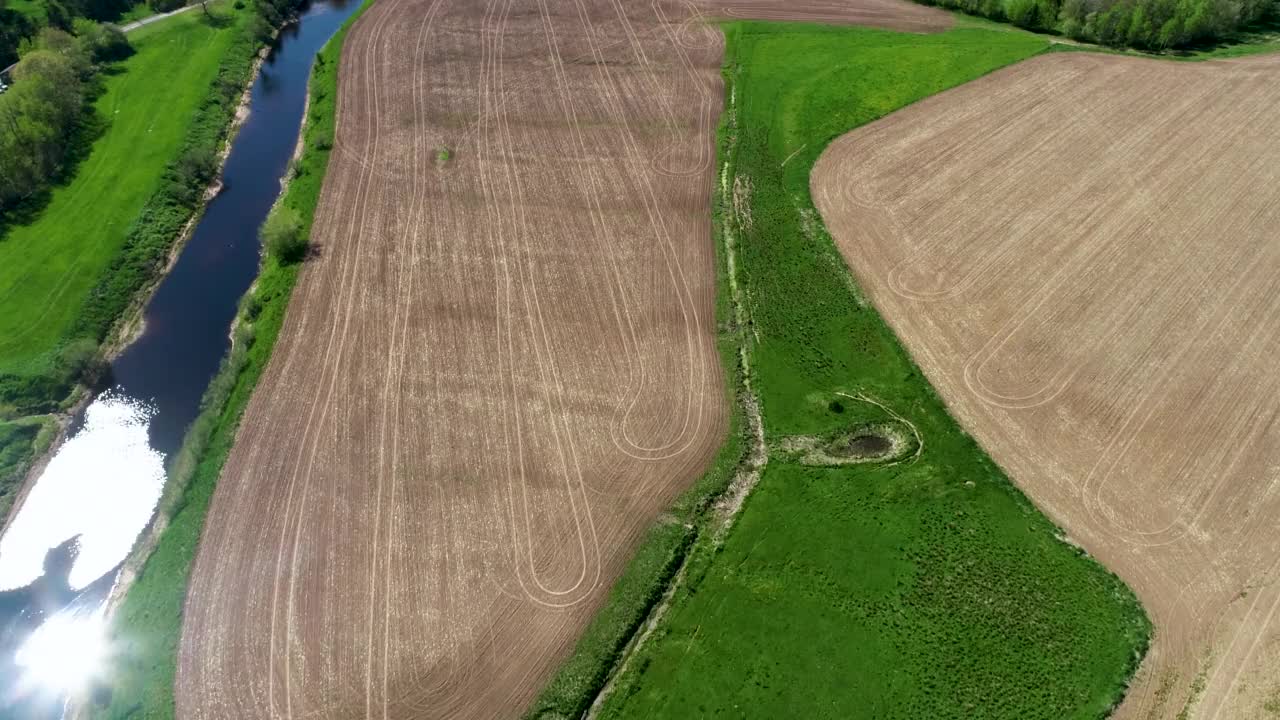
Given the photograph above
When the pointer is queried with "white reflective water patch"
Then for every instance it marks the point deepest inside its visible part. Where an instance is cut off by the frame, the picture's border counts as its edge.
(101, 486)
(65, 654)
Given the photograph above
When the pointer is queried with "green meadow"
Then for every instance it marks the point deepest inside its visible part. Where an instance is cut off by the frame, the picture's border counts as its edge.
(924, 586)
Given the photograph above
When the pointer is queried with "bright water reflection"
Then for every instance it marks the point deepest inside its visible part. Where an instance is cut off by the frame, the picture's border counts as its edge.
(101, 487)
(66, 654)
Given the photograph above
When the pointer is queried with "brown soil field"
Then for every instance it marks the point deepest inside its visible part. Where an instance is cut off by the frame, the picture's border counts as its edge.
(498, 370)
(1080, 252)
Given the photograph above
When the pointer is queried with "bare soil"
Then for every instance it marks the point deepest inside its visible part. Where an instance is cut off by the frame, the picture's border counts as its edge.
(497, 374)
(1080, 251)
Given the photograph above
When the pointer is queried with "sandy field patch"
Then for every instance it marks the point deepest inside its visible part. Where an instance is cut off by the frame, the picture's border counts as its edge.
(1081, 253)
(497, 371)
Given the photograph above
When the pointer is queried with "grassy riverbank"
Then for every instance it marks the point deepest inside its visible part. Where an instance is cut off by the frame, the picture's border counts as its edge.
(49, 267)
(147, 626)
(70, 273)
(925, 588)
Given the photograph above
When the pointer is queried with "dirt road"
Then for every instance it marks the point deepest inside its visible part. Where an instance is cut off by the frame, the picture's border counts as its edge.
(499, 369)
(1080, 251)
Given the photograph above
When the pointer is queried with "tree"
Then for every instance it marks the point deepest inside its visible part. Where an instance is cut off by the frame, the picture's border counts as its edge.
(39, 113)
(14, 28)
(101, 42)
(282, 235)
(80, 361)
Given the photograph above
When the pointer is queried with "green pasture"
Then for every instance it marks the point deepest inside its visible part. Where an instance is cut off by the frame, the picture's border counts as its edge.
(929, 588)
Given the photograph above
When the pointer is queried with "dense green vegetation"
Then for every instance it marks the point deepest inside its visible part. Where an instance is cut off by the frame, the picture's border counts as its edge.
(148, 624)
(45, 116)
(930, 588)
(22, 19)
(1144, 24)
(19, 442)
(62, 274)
(18, 21)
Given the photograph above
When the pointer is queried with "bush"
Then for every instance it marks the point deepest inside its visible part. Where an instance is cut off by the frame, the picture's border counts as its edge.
(103, 43)
(282, 235)
(166, 5)
(79, 361)
(194, 170)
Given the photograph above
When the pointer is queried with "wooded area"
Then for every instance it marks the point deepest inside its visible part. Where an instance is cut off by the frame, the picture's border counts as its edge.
(1143, 24)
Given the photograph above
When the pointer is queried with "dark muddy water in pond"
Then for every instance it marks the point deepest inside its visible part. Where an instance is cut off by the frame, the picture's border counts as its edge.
(60, 555)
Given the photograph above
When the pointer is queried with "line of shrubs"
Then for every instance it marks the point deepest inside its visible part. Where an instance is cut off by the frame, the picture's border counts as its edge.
(1142, 24)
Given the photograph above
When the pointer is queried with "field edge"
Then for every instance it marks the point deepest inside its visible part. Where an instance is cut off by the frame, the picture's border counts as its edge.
(670, 541)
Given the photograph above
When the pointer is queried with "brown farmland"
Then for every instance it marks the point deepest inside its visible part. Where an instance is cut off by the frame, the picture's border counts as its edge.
(496, 373)
(1081, 252)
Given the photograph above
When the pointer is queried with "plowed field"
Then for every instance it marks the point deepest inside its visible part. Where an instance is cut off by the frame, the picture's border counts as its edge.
(497, 370)
(1081, 253)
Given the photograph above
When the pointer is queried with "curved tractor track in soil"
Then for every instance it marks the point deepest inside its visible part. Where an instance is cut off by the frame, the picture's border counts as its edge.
(498, 370)
(1080, 252)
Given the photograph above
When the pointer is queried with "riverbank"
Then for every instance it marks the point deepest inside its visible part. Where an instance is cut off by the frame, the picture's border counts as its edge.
(59, 281)
(147, 622)
(134, 325)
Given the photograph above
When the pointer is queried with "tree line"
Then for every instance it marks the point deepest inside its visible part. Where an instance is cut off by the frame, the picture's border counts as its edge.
(1143, 24)
(45, 115)
(17, 27)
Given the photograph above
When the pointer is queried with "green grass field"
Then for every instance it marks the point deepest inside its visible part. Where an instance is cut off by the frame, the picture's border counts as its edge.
(49, 266)
(931, 588)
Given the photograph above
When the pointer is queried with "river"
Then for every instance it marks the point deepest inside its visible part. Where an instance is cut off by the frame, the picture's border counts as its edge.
(61, 554)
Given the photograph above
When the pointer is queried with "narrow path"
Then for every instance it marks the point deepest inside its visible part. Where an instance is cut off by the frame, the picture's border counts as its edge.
(156, 18)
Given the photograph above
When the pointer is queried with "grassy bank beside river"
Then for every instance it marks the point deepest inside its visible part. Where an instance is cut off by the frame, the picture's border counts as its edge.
(69, 274)
(147, 626)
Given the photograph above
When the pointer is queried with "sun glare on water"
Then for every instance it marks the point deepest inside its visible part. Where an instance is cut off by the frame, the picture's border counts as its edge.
(101, 487)
(65, 654)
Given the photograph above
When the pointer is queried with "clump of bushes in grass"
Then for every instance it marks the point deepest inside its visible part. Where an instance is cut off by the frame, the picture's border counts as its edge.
(282, 235)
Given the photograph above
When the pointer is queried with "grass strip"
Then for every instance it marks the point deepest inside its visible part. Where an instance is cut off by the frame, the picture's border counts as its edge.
(666, 546)
(930, 588)
(147, 626)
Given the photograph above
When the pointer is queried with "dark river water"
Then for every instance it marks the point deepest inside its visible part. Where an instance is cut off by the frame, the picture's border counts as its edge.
(61, 554)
